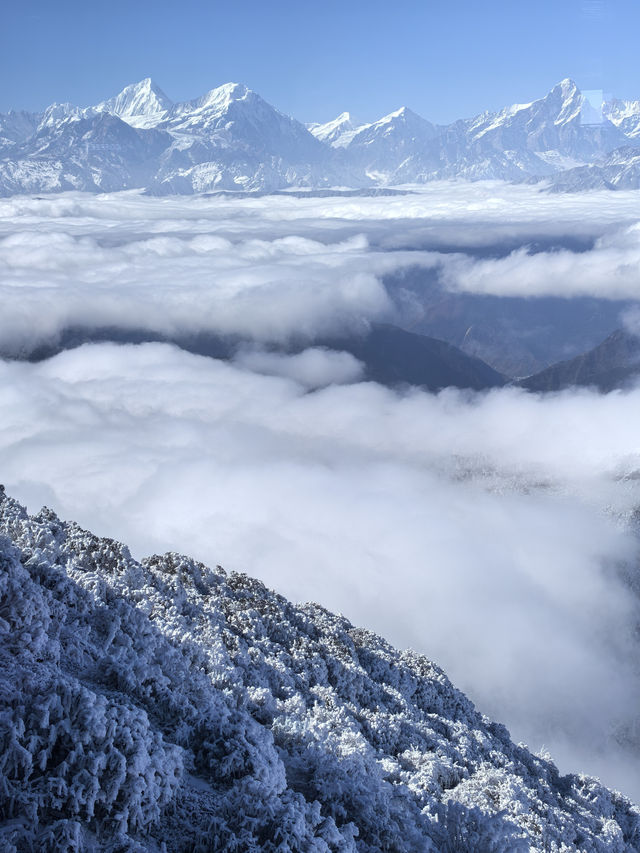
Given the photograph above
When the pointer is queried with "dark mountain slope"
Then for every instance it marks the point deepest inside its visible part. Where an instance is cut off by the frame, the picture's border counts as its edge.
(392, 356)
(612, 364)
(518, 336)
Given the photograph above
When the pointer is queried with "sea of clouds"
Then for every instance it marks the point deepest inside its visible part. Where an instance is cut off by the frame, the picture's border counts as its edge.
(496, 533)
(272, 268)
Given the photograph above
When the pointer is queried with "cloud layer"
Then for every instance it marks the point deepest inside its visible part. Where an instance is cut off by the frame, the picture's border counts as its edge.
(489, 532)
(611, 270)
(495, 533)
(273, 268)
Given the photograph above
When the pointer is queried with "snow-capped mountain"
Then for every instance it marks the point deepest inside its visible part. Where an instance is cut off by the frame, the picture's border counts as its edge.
(141, 105)
(339, 132)
(231, 138)
(163, 705)
(234, 116)
(399, 148)
(524, 140)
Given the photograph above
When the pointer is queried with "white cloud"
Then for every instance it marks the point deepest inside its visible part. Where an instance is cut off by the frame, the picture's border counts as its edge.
(315, 367)
(611, 270)
(486, 531)
(266, 289)
(274, 267)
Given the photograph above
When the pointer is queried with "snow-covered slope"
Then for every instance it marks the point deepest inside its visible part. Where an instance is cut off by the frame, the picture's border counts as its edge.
(619, 170)
(232, 139)
(97, 153)
(398, 148)
(165, 706)
(625, 115)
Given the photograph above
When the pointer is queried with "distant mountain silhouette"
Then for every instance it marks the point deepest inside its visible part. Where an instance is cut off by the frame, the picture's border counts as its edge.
(391, 356)
(612, 364)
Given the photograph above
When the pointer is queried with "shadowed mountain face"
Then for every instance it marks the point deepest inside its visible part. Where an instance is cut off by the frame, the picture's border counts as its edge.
(517, 336)
(391, 356)
(612, 364)
(511, 332)
(162, 704)
(394, 356)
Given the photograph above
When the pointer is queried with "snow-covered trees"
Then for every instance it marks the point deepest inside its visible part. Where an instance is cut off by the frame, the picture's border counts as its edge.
(164, 705)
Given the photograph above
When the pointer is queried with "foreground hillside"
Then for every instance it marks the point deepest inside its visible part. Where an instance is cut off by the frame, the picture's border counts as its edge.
(163, 705)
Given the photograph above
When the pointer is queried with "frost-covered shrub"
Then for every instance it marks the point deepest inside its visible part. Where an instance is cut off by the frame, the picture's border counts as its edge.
(164, 705)
(464, 830)
(67, 753)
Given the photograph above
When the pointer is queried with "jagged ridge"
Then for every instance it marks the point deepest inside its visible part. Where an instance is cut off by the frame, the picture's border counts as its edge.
(232, 139)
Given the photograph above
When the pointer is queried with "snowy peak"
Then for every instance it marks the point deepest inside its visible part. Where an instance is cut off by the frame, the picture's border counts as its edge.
(216, 104)
(143, 98)
(402, 123)
(402, 116)
(560, 106)
(55, 113)
(220, 98)
(564, 129)
(142, 105)
(234, 118)
(345, 132)
(566, 100)
(337, 133)
(566, 89)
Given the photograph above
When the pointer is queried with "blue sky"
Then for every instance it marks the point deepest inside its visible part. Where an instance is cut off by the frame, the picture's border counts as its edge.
(445, 60)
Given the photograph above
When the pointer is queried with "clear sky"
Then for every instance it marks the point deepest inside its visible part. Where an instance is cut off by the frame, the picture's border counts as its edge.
(314, 58)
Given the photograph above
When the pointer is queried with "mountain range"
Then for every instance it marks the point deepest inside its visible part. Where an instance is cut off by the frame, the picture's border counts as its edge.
(232, 139)
(161, 705)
